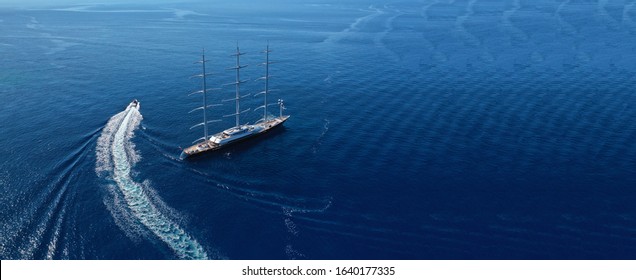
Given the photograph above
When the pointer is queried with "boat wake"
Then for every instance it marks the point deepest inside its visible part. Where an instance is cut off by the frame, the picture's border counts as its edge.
(318, 142)
(35, 221)
(130, 203)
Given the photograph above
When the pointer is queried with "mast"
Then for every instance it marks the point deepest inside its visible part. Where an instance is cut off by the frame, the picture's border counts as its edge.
(205, 99)
(281, 107)
(237, 83)
(267, 51)
(204, 90)
(238, 86)
(266, 78)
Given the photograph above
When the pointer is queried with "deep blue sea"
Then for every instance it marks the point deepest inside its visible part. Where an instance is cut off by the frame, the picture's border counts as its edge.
(439, 129)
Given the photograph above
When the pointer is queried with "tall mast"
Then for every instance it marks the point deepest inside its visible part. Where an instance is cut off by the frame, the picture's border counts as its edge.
(267, 51)
(266, 78)
(204, 90)
(205, 100)
(237, 84)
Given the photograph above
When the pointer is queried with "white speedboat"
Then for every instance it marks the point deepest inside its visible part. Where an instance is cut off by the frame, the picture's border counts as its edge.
(134, 104)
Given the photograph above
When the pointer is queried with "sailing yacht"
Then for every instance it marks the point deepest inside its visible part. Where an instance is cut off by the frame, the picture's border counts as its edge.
(239, 131)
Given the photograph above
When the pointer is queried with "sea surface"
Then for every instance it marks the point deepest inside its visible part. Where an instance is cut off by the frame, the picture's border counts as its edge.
(482, 129)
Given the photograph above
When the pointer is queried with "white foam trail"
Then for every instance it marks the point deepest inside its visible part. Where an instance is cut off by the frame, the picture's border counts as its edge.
(180, 14)
(355, 26)
(104, 163)
(116, 154)
(52, 246)
(291, 226)
(292, 253)
(378, 40)
(461, 28)
(33, 24)
(91, 9)
(322, 135)
(60, 45)
(123, 216)
(29, 249)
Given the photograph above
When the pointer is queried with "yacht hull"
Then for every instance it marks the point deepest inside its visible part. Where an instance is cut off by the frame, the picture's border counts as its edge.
(210, 145)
